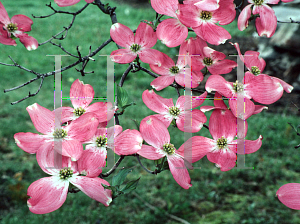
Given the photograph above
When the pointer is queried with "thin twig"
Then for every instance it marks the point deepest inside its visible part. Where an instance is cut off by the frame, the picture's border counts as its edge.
(292, 21)
(149, 171)
(102, 175)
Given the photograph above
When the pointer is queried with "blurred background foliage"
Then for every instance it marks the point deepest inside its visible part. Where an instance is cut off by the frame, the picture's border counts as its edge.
(236, 196)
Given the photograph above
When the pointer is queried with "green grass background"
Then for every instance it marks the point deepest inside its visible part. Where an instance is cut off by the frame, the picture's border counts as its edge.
(236, 196)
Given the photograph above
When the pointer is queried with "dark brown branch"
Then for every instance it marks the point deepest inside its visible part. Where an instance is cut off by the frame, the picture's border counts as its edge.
(102, 175)
(292, 21)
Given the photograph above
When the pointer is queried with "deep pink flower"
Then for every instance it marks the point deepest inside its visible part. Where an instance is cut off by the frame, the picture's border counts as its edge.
(128, 142)
(167, 111)
(204, 22)
(170, 72)
(155, 133)
(214, 61)
(256, 65)
(140, 44)
(49, 193)
(289, 195)
(170, 31)
(15, 27)
(70, 136)
(81, 96)
(63, 3)
(261, 89)
(222, 149)
(266, 23)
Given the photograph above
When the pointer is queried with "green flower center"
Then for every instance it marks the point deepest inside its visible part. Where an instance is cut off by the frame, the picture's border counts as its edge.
(205, 15)
(222, 142)
(174, 70)
(169, 148)
(208, 61)
(174, 111)
(258, 2)
(12, 27)
(238, 87)
(79, 111)
(255, 70)
(135, 47)
(101, 141)
(60, 133)
(65, 173)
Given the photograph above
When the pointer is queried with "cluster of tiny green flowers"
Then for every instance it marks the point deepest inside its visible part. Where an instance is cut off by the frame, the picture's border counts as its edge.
(135, 47)
(12, 27)
(174, 111)
(79, 111)
(238, 87)
(169, 148)
(258, 2)
(101, 141)
(255, 70)
(208, 61)
(65, 173)
(174, 69)
(59, 133)
(205, 15)
(222, 142)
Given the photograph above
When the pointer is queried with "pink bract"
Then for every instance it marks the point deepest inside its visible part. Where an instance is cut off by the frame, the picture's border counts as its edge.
(289, 195)
(15, 28)
(140, 44)
(64, 3)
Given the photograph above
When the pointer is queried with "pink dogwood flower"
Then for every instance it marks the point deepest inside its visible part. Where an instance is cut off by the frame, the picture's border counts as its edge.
(81, 96)
(222, 149)
(214, 61)
(64, 3)
(170, 72)
(13, 28)
(167, 111)
(256, 65)
(69, 136)
(204, 4)
(155, 133)
(140, 44)
(289, 195)
(204, 22)
(49, 193)
(266, 23)
(170, 31)
(261, 89)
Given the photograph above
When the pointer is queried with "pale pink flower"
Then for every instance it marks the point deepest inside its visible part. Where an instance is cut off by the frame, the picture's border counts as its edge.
(69, 136)
(256, 65)
(81, 96)
(170, 72)
(289, 195)
(63, 3)
(261, 89)
(266, 23)
(167, 111)
(49, 193)
(15, 27)
(208, 5)
(222, 149)
(155, 133)
(170, 31)
(204, 22)
(140, 44)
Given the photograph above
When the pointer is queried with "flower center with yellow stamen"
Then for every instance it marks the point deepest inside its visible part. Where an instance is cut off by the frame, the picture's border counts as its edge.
(255, 70)
(174, 111)
(101, 141)
(169, 148)
(222, 142)
(60, 133)
(174, 69)
(65, 173)
(12, 27)
(205, 15)
(79, 111)
(258, 2)
(208, 61)
(238, 87)
(135, 47)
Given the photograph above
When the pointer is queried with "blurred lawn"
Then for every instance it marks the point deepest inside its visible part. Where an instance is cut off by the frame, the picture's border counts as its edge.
(237, 196)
